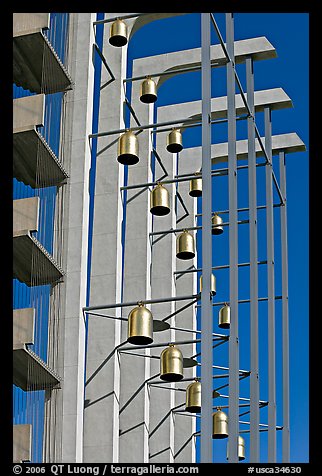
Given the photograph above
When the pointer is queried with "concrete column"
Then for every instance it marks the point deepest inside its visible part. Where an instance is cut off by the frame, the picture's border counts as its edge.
(69, 298)
(189, 162)
(101, 426)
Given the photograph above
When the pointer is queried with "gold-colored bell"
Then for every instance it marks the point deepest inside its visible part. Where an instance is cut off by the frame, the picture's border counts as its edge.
(241, 448)
(140, 326)
(224, 317)
(148, 91)
(159, 201)
(196, 186)
(217, 221)
(128, 149)
(171, 364)
(193, 397)
(185, 246)
(220, 425)
(174, 141)
(118, 33)
(213, 284)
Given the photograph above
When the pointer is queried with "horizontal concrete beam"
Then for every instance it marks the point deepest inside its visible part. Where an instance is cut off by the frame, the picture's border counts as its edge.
(23, 326)
(28, 111)
(258, 48)
(275, 98)
(26, 214)
(288, 143)
(21, 436)
(24, 23)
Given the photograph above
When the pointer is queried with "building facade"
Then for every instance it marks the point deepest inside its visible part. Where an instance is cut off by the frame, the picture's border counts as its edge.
(88, 249)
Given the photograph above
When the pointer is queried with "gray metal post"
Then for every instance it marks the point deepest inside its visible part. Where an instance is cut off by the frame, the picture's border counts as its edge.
(233, 247)
(253, 258)
(206, 308)
(270, 291)
(285, 325)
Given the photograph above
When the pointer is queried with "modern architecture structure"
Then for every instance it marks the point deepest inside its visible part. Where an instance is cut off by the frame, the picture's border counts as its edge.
(115, 340)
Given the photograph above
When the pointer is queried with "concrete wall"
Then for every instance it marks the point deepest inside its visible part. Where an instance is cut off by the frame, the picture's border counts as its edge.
(64, 408)
(26, 214)
(28, 112)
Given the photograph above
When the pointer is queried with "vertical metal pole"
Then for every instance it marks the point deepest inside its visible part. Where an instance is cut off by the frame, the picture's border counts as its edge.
(206, 304)
(253, 258)
(233, 248)
(270, 291)
(285, 325)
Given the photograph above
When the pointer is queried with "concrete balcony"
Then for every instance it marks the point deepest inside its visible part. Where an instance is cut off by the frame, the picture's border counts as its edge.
(30, 372)
(36, 65)
(34, 163)
(32, 264)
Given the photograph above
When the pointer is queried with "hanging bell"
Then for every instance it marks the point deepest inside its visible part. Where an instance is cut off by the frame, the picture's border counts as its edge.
(241, 448)
(159, 201)
(216, 221)
(185, 246)
(140, 326)
(174, 141)
(171, 364)
(213, 285)
(148, 91)
(224, 317)
(196, 186)
(128, 149)
(118, 33)
(193, 397)
(220, 425)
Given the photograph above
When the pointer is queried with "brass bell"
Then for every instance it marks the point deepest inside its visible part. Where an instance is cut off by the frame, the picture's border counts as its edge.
(216, 222)
(241, 448)
(196, 186)
(224, 317)
(193, 397)
(174, 141)
(213, 284)
(185, 246)
(220, 425)
(128, 149)
(159, 201)
(171, 364)
(148, 91)
(140, 326)
(118, 33)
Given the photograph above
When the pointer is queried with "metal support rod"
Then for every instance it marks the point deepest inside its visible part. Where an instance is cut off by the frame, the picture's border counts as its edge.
(145, 301)
(223, 266)
(123, 17)
(166, 73)
(161, 344)
(261, 402)
(142, 127)
(179, 230)
(241, 301)
(223, 171)
(245, 209)
(285, 323)
(206, 247)
(186, 306)
(233, 246)
(253, 254)
(270, 292)
(184, 178)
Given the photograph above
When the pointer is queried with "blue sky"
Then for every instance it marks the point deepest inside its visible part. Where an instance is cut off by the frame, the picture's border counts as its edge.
(288, 33)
